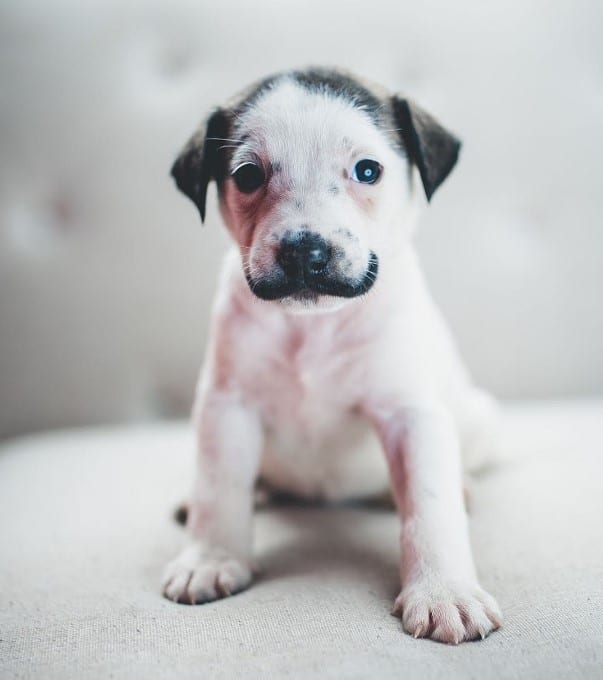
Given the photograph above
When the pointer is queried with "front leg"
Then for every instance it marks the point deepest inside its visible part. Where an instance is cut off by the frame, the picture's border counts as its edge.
(441, 597)
(218, 561)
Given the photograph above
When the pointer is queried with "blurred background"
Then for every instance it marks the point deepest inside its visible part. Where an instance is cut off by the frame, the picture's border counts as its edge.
(106, 274)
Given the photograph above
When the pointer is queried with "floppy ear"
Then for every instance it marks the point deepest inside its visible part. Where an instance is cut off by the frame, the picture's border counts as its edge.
(430, 146)
(201, 160)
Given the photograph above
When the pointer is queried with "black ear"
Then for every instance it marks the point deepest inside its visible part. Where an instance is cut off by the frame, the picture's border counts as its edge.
(430, 146)
(201, 160)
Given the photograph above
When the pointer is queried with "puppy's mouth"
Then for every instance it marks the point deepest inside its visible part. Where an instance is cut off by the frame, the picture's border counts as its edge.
(306, 284)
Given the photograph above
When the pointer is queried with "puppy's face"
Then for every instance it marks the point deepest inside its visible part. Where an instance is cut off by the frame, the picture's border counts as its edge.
(314, 177)
(310, 187)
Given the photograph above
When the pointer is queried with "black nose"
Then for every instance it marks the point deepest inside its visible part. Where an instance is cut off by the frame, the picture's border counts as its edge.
(303, 254)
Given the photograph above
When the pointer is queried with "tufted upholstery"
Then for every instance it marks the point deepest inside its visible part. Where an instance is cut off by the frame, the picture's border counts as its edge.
(106, 274)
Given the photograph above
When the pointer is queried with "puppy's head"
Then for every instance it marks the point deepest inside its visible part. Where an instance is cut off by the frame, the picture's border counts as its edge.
(315, 179)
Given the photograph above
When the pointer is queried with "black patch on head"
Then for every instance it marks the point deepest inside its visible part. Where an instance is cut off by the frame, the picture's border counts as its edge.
(432, 148)
(332, 82)
(319, 80)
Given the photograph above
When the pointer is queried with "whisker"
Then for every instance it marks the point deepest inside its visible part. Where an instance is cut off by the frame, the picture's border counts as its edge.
(225, 139)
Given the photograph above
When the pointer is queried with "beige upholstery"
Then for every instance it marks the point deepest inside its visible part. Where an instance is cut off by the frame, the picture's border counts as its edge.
(85, 530)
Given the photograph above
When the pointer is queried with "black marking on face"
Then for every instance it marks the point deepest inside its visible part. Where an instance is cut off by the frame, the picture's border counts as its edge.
(276, 166)
(334, 189)
(307, 266)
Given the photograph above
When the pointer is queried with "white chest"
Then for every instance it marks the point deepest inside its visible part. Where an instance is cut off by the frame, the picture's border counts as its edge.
(306, 390)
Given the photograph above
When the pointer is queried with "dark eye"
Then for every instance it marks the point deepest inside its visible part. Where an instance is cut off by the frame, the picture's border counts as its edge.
(248, 177)
(366, 171)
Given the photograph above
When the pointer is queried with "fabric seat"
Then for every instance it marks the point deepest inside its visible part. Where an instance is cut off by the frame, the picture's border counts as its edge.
(86, 528)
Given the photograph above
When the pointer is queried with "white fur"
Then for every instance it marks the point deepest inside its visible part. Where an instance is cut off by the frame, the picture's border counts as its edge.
(312, 401)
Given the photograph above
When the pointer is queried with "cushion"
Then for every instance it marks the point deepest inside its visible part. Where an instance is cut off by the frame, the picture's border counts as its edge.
(86, 529)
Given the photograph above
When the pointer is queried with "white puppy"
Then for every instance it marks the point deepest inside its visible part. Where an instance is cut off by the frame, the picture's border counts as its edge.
(330, 373)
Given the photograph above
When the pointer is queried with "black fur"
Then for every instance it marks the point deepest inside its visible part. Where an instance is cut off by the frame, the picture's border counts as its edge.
(202, 160)
(341, 85)
(309, 285)
(429, 146)
(181, 514)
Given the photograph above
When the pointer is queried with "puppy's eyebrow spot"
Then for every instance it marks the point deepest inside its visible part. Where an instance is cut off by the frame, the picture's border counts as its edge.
(334, 189)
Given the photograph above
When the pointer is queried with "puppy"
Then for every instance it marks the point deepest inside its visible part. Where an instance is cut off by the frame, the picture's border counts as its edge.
(330, 373)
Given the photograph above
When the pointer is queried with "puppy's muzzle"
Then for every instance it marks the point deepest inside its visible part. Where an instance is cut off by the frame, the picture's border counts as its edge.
(306, 266)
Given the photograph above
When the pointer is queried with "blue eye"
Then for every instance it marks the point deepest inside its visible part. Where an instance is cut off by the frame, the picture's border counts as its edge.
(367, 171)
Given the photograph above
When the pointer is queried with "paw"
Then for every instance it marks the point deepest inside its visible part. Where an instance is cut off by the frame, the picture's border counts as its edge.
(204, 573)
(448, 613)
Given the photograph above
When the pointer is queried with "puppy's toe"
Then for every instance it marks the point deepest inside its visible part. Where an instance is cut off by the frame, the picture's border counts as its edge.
(204, 573)
(449, 613)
